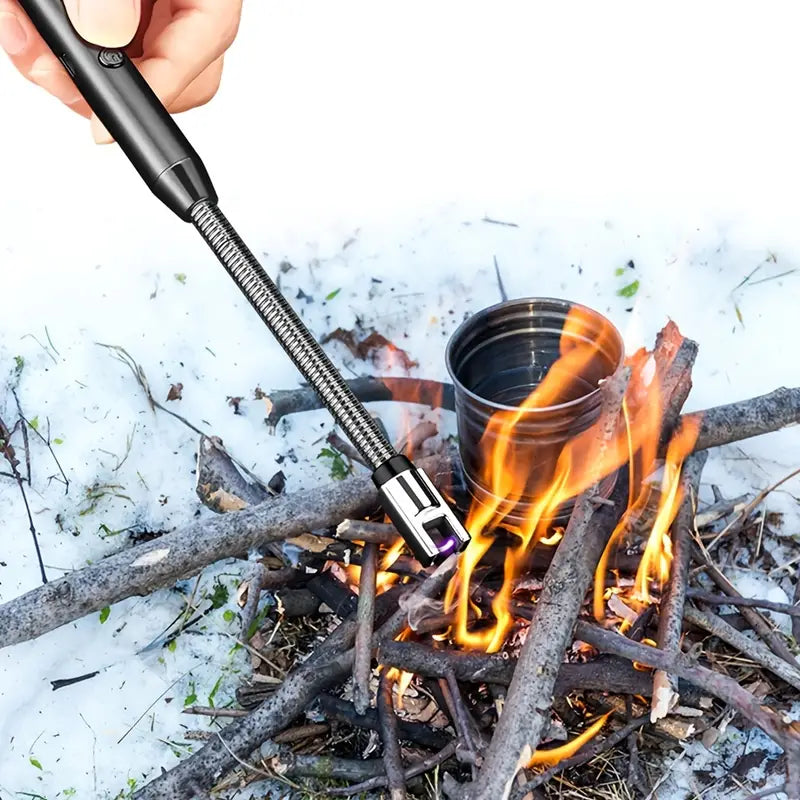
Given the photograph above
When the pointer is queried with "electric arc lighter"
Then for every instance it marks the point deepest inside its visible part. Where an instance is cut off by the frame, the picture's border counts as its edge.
(122, 100)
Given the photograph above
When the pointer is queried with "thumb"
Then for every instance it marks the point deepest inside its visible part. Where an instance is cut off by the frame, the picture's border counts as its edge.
(108, 23)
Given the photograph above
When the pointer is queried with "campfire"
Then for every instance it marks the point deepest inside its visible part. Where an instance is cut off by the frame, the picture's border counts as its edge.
(583, 618)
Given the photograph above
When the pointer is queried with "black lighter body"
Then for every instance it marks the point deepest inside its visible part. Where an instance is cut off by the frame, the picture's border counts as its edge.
(127, 106)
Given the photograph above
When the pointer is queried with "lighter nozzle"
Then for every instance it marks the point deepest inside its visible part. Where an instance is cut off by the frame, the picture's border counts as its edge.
(418, 511)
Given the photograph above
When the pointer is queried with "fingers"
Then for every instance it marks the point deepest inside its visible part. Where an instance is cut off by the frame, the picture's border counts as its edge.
(32, 57)
(197, 34)
(109, 23)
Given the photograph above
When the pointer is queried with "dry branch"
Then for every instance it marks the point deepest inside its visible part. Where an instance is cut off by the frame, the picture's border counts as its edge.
(600, 674)
(747, 418)
(520, 726)
(356, 530)
(753, 649)
(367, 390)
(159, 563)
(331, 663)
(670, 619)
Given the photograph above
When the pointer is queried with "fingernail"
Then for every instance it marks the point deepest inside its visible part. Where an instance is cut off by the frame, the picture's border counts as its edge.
(99, 132)
(50, 75)
(13, 38)
(104, 23)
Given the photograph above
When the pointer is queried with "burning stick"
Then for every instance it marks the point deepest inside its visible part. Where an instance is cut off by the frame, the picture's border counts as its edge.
(670, 619)
(392, 760)
(362, 668)
(367, 390)
(530, 694)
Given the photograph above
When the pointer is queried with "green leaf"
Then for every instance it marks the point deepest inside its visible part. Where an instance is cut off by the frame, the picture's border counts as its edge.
(619, 271)
(191, 698)
(332, 294)
(213, 693)
(35, 762)
(172, 645)
(219, 596)
(19, 362)
(629, 290)
(58, 441)
(180, 277)
(340, 469)
(34, 423)
(228, 615)
(104, 614)
(69, 792)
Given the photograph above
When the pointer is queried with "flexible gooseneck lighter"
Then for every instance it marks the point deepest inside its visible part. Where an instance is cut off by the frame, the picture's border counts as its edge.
(122, 100)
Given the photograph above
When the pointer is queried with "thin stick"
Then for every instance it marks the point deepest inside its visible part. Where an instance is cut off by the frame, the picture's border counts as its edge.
(392, 760)
(584, 755)
(362, 668)
(464, 722)
(346, 449)
(209, 711)
(7, 450)
(670, 618)
(527, 707)
(412, 772)
(775, 791)
(746, 602)
(357, 530)
(757, 621)
(261, 579)
(726, 689)
(753, 649)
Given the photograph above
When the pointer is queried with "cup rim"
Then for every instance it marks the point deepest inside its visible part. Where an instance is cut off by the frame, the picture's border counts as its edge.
(507, 304)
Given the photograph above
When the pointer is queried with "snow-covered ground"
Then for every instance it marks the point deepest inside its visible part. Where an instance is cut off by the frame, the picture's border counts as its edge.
(365, 143)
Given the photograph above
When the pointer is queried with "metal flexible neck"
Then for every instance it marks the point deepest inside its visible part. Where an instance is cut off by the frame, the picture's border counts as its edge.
(291, 332)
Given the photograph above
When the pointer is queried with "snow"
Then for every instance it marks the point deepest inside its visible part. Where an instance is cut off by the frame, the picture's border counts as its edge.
(661, 137)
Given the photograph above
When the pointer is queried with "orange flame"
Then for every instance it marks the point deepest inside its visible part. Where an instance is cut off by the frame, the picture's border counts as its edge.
(554, 755)
(577, 467)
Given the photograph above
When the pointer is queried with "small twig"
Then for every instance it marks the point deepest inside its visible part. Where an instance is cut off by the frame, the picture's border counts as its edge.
(775, 791)
(745, 602)
(500, 286)
(670, 618)
(345, 448)
(209, 711)
(362, 666)
(410, 443)
(752, 648)
(463, 719)
(357, 530)
(738, 522)
(7, 449)
(392, 759)
(583, 755)
(412, 772)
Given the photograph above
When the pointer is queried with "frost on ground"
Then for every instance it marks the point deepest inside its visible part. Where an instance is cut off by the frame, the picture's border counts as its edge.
(702, 236)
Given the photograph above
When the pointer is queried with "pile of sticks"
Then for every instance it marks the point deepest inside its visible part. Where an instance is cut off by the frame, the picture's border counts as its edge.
(486, 714)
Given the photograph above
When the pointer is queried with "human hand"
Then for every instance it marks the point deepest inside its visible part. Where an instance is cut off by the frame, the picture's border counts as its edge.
(178, 45)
